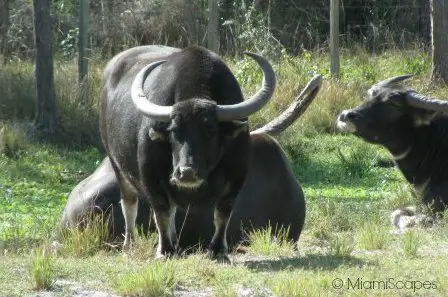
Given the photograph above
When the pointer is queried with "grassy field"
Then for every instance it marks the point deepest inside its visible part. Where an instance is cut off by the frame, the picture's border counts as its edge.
(348, 247)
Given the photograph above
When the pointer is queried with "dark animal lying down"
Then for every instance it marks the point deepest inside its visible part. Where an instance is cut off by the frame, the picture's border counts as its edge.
(271, 195)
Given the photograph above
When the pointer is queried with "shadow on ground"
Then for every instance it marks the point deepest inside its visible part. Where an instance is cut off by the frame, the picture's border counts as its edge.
(312, 262)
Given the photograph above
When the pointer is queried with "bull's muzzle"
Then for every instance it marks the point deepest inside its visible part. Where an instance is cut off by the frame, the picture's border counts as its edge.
(346, 121)
(186, 177)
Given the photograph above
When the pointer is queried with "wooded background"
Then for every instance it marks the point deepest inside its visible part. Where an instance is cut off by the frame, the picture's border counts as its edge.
(84, 30)
(264, 25)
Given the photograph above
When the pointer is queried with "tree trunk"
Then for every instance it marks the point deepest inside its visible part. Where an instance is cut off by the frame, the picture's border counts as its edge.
(4, 27)
(83, 66)
(439, 27)
(334, 38)
(213, 33)
(45, 104)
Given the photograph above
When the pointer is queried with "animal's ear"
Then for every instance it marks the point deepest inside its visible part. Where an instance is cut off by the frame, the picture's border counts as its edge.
(156, 134)
(234, 128)
(423, 117)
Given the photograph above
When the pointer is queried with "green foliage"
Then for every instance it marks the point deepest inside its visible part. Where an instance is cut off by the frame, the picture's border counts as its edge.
(69, 44)
(255, 32)
(401, 195)
(34, 189)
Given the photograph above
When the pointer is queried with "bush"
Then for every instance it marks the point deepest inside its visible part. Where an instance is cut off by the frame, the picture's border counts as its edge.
(12, 141)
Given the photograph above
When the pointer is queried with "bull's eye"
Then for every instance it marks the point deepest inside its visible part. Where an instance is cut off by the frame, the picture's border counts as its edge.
(209, 130)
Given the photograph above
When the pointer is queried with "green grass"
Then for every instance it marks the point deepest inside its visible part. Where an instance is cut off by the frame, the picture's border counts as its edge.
(158, 280)
(373, 236)
(411, 243)
(270, 242)
(349, 194)
(42, 269)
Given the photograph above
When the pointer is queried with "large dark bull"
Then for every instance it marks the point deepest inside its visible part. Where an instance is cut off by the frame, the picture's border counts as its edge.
(415, 131)
(174, 125)
(271, 195)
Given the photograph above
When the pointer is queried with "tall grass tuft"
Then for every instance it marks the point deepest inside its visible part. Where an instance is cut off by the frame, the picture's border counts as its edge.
(87, 240)
(144, 246)
(357, 161)
(42, 269)
(403, 195)
(13, 141)
(341, 244)
(326, 217)
(411, 243)
(224, 290)
(158, 280)
(373, 236)
(270, 242)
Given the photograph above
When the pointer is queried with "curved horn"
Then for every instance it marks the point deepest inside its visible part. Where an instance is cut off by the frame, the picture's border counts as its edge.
(294, 111)
(149, 109)
(256, 102)
(416, 100)
(393, 80)
(388, 82)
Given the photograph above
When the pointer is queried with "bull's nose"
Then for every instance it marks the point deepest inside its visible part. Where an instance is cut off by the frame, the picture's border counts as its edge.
(348, 115)
(187, 173)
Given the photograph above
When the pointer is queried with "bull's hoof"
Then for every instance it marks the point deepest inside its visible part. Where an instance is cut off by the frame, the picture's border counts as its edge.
(221, 258)
(128, 241)
(164, 256)
(127, 245)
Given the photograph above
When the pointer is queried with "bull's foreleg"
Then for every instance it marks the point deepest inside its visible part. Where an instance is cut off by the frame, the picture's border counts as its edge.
(218, 248)
(167, 231)
(129, 206)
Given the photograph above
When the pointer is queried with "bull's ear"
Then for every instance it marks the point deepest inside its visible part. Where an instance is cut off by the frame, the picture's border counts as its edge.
(423, 117)
(234, 128)
(156, 134)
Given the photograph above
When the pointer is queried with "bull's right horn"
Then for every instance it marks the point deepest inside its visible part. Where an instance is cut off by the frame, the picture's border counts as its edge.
(149, 109)
(417, 100)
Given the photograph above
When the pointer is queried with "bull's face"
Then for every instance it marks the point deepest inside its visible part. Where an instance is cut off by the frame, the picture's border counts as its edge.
(375, 120)
(384, 117)
(198, 141)
(199, 129)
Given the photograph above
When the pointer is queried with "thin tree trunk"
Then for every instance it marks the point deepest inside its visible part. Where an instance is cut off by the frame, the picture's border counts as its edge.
(334, 37)
(213, 33)
(83, 66)
(45, 104)
(439, 27)
(4, 27)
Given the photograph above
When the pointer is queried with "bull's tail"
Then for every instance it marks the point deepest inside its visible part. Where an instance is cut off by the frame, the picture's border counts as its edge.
(294, 111)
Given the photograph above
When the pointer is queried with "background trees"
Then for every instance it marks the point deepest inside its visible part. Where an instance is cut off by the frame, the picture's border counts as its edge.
(45, 101)
(268, 25)
(439, 25)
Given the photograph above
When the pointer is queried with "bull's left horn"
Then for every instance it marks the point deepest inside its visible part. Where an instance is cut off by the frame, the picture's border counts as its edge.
(244, 109)
(149, 109)
(388, 82)
(417, 100)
